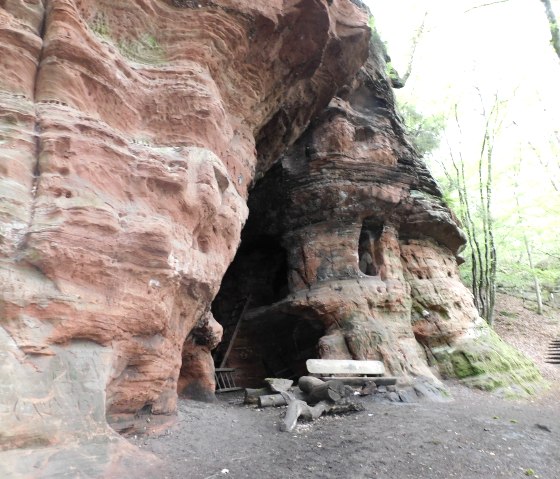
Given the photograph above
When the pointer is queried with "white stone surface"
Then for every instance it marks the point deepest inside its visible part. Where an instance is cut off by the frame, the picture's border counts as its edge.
(344, 366)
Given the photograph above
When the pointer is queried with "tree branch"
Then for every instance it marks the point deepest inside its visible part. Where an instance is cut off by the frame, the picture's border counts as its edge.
(485, 5)
(415, 41)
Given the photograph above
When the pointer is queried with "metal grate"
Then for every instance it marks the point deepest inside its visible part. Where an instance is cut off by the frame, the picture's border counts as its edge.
(553, 356)
(225, 380)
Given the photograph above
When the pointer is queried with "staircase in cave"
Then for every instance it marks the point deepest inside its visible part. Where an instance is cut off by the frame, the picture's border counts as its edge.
(553, 356)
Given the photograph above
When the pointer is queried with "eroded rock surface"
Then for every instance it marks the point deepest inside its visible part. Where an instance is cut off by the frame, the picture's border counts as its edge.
(127, 137)
(130, 135)
(369, 249)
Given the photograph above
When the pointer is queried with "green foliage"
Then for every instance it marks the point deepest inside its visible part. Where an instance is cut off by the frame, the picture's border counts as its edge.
(392, 73)
(486, 101)
(424, 130)
(145, 49)
(100, 26)
(489, 363)
(525, 203)
(371, 23)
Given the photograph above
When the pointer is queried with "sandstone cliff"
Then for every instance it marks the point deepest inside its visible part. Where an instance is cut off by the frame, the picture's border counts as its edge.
(368, 250)
(130, 136)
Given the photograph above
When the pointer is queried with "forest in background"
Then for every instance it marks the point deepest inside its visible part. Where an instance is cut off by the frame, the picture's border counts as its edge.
(481, 101)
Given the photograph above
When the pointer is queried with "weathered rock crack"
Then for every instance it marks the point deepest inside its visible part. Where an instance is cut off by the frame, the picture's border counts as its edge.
(36, 132)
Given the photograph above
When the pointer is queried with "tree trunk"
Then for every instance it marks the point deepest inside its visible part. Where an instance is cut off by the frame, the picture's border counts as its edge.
(297, 409)
(415, 42)
(553, 25)
(318, 390)
(482, 244)
(252, 395)
(307, 383)
(536, 282)
(526, 242)
(272, 400)
(361, 381)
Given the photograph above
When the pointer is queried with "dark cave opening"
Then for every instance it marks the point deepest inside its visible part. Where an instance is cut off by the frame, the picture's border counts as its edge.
(369, 250)
(262, 337)
(259, 339)
(256, 278)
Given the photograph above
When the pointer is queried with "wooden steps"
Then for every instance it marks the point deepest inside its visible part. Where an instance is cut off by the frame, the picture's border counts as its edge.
(553, 356)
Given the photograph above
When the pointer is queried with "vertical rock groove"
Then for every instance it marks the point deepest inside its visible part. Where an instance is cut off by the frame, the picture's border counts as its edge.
(36, 172)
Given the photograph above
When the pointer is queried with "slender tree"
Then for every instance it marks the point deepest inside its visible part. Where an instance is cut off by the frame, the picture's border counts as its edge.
(521, 223)
(415, 41)
(553, 26)
(493, 125)
(475, 210)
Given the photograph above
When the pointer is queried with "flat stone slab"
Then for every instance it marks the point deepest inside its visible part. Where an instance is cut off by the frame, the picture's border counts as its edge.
(360, 380)
(344, 366)
(279, 384)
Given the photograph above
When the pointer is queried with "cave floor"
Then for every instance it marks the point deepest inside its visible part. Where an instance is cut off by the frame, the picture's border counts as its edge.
(474, 436)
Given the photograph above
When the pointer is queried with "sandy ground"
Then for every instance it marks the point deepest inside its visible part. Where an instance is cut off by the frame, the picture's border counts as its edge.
(477, 435)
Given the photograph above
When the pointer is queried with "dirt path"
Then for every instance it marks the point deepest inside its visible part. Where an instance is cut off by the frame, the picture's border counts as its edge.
(518, 324)
(476, 435)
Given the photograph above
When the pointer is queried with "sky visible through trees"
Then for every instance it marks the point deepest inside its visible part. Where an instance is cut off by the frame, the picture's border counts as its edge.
(486, 71)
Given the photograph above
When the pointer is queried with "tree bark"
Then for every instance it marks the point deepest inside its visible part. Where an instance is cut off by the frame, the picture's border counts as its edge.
(252, 395)
(415, 42)
(272, 400)
(535, 278)
(360, 381)
(307, 383)
(297, 409)
(466, 214)
(526, 242)
(317, 390)
(553, 25)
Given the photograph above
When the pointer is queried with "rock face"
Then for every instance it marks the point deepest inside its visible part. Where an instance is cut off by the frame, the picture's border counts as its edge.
(353, 221)
(130, 136)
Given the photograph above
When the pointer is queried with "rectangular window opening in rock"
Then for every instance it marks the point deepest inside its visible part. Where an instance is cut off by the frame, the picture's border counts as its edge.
(369, 251)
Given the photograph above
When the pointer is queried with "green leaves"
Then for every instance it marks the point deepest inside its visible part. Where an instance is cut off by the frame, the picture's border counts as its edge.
(424, 131)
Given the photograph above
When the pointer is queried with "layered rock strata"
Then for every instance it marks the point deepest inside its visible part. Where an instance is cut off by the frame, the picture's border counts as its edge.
(130, 135)
(370, 252)
(127, 137)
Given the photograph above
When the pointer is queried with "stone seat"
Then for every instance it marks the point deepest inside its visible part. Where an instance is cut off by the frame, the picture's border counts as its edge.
(351, 372)
(347, 367)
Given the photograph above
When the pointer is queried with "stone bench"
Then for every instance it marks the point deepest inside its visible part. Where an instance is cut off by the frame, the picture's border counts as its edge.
(350, 371)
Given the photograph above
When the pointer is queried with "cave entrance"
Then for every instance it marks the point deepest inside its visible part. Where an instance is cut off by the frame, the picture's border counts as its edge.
(369, 248)
(259, 339)
(272, 345)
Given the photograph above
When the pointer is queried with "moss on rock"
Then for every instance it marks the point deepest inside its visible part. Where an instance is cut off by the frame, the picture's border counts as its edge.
(488, 363)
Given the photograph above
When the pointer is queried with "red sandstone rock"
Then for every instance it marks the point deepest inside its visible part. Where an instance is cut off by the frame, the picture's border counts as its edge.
(130, 135)
(196, 379)
(369, 249)
(128, 139)
(352, 189)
